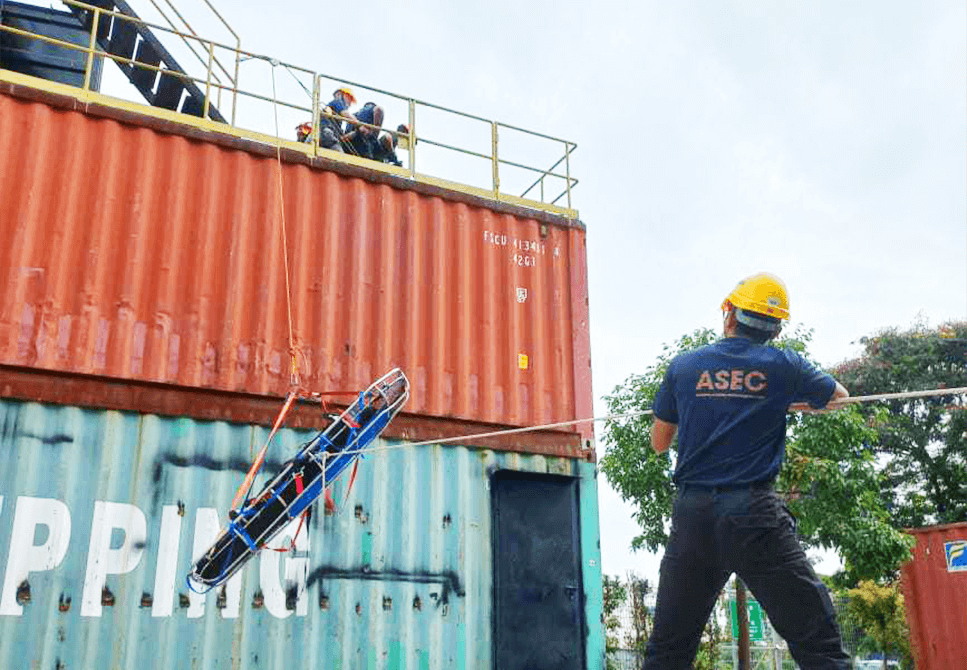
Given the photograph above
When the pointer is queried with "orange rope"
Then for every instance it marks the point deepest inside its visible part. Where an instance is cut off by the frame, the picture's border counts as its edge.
(294, 380)
(257, 464)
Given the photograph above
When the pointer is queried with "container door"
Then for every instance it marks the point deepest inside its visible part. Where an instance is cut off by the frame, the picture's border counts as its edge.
(538, 598)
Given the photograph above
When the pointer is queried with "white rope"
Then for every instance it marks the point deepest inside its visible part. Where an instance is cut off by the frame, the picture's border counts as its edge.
(902, 396)
(625, 415)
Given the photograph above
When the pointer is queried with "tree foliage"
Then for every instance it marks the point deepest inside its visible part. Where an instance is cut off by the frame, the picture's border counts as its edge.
(922, 443)
(615, 594)
(640, 629)
(627, 621)
(880, 612)
(830, 480)
(636, 472)
(831, 485)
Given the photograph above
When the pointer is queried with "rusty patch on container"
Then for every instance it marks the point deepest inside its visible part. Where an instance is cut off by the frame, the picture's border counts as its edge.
(107, 598)
(64, 603)
(258, 600)
(146, 599)
(23, 593)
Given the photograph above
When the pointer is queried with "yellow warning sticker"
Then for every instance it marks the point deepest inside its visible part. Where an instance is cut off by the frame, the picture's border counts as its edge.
(522, 361)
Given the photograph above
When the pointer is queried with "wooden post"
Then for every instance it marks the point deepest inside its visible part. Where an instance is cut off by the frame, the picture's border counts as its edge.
(742, 613)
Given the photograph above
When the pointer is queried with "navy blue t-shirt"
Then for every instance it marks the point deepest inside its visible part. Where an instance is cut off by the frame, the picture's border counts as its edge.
(337, 106)
(730, 400)
(368, 113)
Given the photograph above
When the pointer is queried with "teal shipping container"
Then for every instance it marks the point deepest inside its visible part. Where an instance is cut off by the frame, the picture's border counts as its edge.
(436, 557)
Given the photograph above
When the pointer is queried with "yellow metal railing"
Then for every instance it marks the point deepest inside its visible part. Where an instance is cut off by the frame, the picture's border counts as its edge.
(191, 47)
(437, 154)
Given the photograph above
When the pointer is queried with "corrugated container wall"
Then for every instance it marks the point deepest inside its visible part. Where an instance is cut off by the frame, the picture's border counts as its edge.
(102, 512)
(935, 592)
(138, 253)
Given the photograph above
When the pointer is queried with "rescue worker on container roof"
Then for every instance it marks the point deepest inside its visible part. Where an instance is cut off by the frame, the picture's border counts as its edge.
(728, 403)
(361, 139)
(385, 149)
(330, 120)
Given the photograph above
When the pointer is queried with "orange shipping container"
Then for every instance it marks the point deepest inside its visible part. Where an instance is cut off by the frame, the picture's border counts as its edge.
(935, 592)
(137, 248)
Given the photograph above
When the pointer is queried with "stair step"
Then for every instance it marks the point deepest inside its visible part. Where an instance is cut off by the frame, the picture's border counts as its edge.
(193, 105)
(170, 90)
(143, 78)
(124, 35)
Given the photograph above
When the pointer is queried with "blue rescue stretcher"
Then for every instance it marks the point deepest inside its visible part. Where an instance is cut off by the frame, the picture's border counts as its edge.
(301, 481)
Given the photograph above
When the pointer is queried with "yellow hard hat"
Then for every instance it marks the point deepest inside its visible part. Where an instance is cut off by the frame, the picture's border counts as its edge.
(762, 294)
(348, 92)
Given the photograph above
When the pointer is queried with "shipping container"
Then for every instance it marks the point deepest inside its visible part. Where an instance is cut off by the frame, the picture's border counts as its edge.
(436, 557)
(150, 250)
(934, 586)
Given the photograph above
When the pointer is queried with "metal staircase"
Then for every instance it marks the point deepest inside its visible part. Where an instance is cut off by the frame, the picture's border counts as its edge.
(135, 41)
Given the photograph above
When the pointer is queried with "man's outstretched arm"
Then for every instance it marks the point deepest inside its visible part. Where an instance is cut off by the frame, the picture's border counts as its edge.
(662, 434)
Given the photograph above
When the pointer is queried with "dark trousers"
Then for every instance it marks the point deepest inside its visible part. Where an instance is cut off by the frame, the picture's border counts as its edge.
(750, 532)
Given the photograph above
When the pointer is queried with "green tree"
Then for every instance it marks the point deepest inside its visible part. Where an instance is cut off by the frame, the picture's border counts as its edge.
(615, 595)
(637, 637)
(879, 611)
(922, 443)
(829, 480)
(707, 656)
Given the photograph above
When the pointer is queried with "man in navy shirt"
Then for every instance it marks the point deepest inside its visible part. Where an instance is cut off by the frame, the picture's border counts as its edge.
(361, 140)
(728, 403)
(330, 123)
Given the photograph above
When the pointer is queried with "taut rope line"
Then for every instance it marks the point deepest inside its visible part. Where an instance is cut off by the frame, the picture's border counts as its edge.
(625, 415)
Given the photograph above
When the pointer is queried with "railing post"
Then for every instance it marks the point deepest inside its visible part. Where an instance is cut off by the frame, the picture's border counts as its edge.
(238, 59)
(316, 120)
(493, 158)
(208, 81)
(90, 52)
(412, 143)
(567, 170)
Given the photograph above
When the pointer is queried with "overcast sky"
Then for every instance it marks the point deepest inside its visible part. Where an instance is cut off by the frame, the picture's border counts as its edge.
(825, 141)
